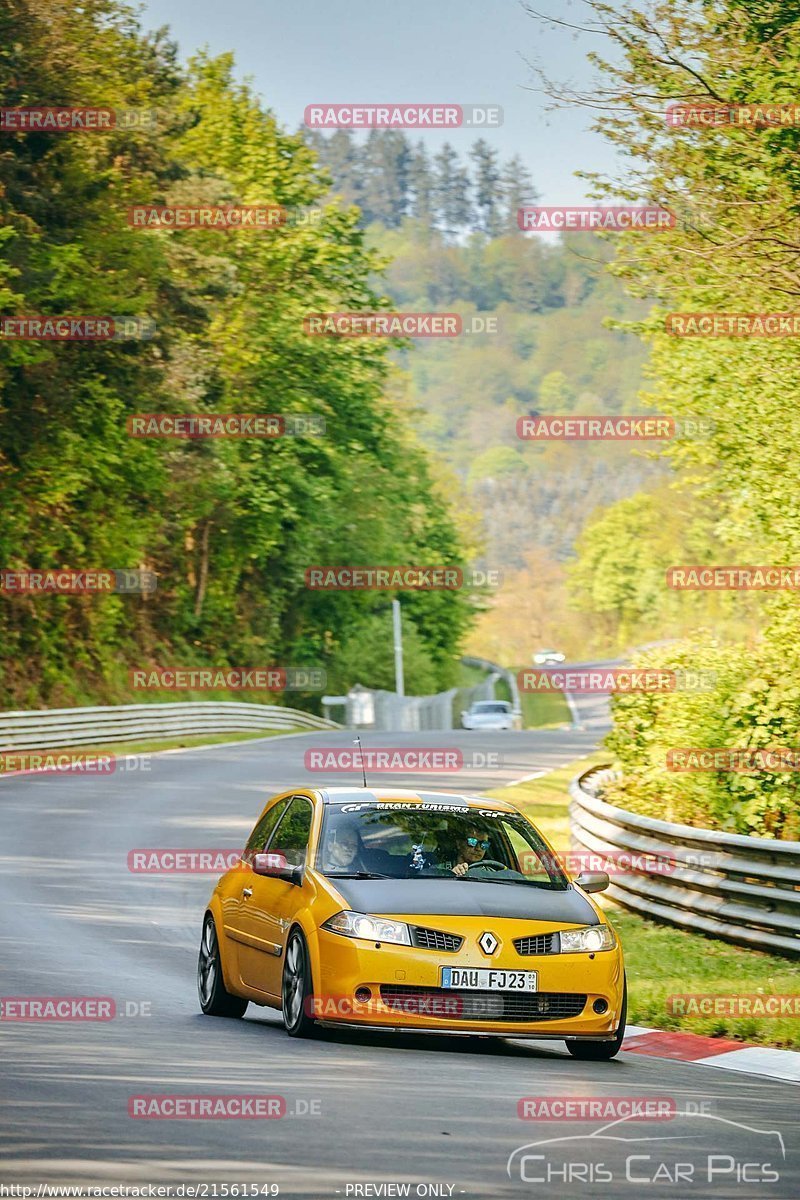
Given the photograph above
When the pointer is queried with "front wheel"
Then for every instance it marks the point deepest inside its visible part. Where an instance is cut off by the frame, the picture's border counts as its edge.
(215, 999)
(603, 1051)
(296, 990)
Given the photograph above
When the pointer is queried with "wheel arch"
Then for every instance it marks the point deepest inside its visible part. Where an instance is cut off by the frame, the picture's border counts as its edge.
(229, 978)
(303, 922)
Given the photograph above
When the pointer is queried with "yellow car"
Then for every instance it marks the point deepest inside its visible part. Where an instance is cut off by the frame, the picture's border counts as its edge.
(412, 911)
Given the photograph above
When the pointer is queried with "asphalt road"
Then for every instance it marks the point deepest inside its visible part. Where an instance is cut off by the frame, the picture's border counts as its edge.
(363, 1110)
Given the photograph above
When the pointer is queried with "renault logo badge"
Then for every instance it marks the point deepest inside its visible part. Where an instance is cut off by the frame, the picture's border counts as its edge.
(488, 943)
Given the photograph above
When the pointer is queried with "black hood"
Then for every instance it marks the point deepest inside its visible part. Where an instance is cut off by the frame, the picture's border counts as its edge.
(467, 898)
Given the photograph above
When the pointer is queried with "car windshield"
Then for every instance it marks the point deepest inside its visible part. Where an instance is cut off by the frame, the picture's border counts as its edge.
(403, 840)
(487, 706)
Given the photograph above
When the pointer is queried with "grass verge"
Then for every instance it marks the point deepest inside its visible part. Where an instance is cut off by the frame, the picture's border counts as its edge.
(661, 960)
(540, 710)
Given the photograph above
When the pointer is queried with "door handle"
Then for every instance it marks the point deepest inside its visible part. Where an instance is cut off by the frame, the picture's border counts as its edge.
(246, 892)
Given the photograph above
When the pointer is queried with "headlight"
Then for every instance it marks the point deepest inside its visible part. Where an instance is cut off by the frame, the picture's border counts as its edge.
(371, 929)
(588, 940)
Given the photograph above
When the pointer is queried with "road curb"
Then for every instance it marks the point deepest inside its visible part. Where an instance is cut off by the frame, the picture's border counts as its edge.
(725, 1053)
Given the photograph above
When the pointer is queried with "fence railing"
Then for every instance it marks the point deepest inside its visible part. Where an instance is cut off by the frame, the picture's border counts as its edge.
(46, 729)
(503, 673)
(382, 711)
(742, 889)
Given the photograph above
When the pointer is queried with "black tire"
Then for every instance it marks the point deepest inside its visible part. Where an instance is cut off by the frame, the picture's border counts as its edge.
(603, 1051)
(296, 988)
(215, 1000)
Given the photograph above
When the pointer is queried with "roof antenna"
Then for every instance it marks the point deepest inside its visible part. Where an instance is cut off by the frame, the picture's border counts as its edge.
(357, 742)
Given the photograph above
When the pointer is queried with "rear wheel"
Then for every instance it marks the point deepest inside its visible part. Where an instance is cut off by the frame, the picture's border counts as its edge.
(296, 989)
(215, 1000)
(603, 1051)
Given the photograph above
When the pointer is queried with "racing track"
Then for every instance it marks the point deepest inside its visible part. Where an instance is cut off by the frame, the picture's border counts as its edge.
(436, 1111)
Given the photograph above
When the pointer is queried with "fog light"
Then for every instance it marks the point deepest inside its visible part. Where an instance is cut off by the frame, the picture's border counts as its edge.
(600, 1006)
(363, 995)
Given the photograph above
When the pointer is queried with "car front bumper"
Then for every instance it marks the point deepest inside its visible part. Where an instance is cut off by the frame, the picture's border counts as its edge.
(405, 993)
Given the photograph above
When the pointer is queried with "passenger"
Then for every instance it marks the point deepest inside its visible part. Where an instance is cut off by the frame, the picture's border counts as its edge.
(344, 849)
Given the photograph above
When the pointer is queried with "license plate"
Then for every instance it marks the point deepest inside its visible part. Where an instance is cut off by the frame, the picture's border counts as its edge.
(487, 979)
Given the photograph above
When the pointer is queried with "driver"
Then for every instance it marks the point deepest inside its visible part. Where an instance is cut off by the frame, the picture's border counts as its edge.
(471, 848)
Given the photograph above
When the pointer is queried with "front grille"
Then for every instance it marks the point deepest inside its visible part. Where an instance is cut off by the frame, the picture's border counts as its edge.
(482, 1006)
(540, 943)
(435, 939)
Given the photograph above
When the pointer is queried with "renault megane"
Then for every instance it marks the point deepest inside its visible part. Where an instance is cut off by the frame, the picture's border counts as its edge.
(412, 911)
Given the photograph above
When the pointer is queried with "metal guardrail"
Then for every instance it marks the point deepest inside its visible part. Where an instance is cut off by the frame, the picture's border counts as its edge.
(381, 711)
(504, 673)
(741, 889)
(46, 729)
(404, 714)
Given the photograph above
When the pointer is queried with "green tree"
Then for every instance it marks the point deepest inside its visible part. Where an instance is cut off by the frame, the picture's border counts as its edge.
(385, 162)
(516, 188)
(421, 182)
(230, 526)
(486, 188)
(452, 188)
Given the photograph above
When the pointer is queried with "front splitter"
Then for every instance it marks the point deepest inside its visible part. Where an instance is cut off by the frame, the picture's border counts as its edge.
(426, 1029)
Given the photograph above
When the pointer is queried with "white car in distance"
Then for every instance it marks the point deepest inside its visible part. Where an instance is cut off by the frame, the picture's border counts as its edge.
(548, 658)
(488, 714)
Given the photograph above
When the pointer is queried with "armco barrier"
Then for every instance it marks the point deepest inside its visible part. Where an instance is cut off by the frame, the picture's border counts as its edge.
(485, 664)
(45, 729)
(741, 889)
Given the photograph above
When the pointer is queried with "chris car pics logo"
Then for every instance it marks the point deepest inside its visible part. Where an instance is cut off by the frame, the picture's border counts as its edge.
(700, 1150)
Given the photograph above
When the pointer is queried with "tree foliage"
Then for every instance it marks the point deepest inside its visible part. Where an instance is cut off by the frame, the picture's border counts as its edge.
(735, 189)
(230, 526)
(392, 178)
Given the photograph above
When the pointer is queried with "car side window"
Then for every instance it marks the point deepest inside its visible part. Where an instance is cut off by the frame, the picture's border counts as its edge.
(260, 835)
(528, 861)
(291, 836)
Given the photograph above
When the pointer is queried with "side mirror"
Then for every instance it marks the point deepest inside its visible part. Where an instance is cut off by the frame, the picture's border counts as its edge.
(276, 867)
(592, 881)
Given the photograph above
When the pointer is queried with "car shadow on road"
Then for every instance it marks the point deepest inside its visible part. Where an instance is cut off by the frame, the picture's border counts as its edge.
(438, 1043)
